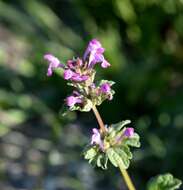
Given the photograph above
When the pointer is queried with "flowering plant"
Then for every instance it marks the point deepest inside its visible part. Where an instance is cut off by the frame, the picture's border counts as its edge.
(108, 142)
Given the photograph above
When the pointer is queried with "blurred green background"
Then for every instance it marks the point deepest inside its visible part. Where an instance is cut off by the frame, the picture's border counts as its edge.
(41, 150)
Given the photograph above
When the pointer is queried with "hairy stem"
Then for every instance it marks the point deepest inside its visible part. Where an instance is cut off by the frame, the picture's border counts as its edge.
(125, 175)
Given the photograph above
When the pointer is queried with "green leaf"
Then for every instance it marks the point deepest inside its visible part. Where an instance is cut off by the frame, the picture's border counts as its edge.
(90, 153)
(118, 156)
(86, 107)
(97, 100)
(164, 182)
(99, 160)
(124, 162)
(115, 128)
(95, 157)
(121, 124)
(133, 141)
(72, 84)
(102, 161)
(107, 81)
(127, 151)
(105, 161)
(113, 157)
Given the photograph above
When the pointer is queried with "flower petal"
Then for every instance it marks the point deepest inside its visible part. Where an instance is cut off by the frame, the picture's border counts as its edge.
(105, 64)
(68, 74)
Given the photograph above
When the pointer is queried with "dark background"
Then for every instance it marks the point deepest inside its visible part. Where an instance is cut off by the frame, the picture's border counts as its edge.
(39, 149)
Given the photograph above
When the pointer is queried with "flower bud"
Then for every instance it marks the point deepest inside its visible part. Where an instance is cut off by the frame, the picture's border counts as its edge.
(105, 88)
(129, 132)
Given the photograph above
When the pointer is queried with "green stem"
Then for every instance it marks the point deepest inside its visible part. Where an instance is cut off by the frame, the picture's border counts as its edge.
(124, 173)
(127, 179)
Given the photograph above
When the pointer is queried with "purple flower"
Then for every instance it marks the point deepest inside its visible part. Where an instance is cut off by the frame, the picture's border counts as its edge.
(79, 78)
(68, 74)
(95, 53)
(105, 88)
(96, 138)
(72, 100)
(53, 63)
(129, 132)
(94, 45)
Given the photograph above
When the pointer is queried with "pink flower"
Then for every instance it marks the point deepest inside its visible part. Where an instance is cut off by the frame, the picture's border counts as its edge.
(105, 88)
(72, 100)
(129, 132)
(96, 138)
(53, 63)
(68, 74)
(95, 53)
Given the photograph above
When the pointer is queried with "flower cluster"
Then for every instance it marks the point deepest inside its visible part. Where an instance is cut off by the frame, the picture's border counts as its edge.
(80, 73)
(99, 141)
(113, 145)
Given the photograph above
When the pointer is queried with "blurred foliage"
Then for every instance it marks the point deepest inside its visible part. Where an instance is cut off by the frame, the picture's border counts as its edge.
(164, 182)
(144, 44)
